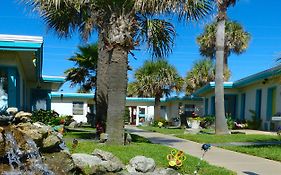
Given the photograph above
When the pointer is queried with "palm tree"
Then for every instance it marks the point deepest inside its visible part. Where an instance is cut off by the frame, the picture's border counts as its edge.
(202, 72)
(221, 125)
(236, 40)
(84, 72)
(155, 79)
(116, 23)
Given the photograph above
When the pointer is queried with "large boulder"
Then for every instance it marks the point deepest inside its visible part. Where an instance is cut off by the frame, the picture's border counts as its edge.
(110, 162)
(141, 164)
(86, 162)
(12, 110)
(51, 143)
(61, 163)
(2, 145)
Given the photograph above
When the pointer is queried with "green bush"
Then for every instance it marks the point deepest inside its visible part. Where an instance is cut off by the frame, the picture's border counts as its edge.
(155, 123)
(48, 117)
(207, 121)
(255, 123)
(230, 122)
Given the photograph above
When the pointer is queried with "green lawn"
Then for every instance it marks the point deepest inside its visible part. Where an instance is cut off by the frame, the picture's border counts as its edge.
(163, 130)
(80, 134)
(211, 138)
(269, 152)
(142, 146)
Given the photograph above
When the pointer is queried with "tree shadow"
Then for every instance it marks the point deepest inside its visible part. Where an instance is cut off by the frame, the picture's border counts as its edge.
(250, 173)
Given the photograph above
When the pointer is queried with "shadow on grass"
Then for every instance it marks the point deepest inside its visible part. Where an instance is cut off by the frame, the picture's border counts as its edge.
(80, 135)
(139, 139)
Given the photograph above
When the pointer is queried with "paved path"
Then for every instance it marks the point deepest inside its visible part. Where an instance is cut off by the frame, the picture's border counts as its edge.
(241, 163)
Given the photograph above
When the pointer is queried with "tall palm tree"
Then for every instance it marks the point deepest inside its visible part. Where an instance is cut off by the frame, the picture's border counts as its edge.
(236, 40)
(116, 23)
(155, 79)
(221, 125)
(202, 72)
(84, 72)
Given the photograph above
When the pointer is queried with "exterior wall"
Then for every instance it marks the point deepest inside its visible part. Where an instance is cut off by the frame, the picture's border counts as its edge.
(65, 107)
(250, 101)
(171, 109)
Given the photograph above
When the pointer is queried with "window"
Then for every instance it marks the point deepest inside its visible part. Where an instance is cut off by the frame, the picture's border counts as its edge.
(78, 108)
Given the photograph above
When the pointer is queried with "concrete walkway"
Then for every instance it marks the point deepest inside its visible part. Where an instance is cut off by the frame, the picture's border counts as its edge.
(238, 162)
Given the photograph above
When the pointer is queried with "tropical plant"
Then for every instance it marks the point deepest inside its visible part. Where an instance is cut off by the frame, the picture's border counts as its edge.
(84, 72)
(201, 73)
(221, 123)
(236, 40)
(155, 79)
(116, 21)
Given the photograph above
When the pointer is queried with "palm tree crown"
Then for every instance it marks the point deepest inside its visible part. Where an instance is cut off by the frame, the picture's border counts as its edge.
(84, 74)
(236, 40)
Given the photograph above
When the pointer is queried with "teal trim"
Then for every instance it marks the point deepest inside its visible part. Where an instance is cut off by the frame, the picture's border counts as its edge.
(243, 104)
(184, 98)
(139, 99)
(258, 103)
(18, 49)
(211, 85)
(53, 79)
(269, 104)
(13, 96)
(72, 95)
(206, 106)
(258, 76)
(213, 109)
(18, 44)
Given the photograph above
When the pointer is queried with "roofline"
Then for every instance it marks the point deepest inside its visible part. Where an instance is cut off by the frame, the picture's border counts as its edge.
(53, 79)
(72, 95)
(211, 85)
(258, 76)
(21, 38)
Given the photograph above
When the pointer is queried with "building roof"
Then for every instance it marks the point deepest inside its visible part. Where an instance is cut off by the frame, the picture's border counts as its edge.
(72, 95)
(274, 71)
(53, 79)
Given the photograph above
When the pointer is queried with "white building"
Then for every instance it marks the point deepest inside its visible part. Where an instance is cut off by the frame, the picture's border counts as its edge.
(260, 92)
(77, 105)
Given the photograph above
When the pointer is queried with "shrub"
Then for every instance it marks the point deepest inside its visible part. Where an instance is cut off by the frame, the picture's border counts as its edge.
(48, 117)
(230, 122)
(156, 122)
(255, 123)
(207, 121)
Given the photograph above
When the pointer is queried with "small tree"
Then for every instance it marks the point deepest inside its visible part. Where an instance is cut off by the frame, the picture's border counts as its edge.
(155, 79)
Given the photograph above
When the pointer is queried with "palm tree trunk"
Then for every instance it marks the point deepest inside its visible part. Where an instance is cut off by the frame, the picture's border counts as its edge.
(102, 82)
(221, 125)
(157, 107)
(117, 86)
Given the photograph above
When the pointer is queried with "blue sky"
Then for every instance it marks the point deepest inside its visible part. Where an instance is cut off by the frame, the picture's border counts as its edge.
(262, 21)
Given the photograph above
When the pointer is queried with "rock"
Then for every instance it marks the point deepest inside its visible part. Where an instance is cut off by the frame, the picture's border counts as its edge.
(166, 171)
(23, 117)
(110, 162)
(73, 124)
(12, 111)
(86, 162)
(1, 129)
(61, 163)
(2, 145)
(141, 164)
(51, 143)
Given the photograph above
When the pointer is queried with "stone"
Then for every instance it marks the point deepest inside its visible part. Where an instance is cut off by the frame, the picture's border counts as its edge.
(23, 117)
(110, 162)
(87, 163)
(2, 145)
(12, 110)
(141, 164)
(166, 171)
(61, 163)
(73, 124)
(51, 143)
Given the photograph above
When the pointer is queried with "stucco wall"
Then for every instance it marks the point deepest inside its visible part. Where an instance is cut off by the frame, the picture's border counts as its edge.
(65, 107)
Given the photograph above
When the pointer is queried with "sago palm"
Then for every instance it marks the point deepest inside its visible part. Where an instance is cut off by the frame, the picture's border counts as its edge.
(155, 79)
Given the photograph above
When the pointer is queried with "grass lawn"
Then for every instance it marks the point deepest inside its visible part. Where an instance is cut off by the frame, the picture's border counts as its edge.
(210, 138)
(141, 146)
(163, 130)
(80, 134)
(269, 152)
